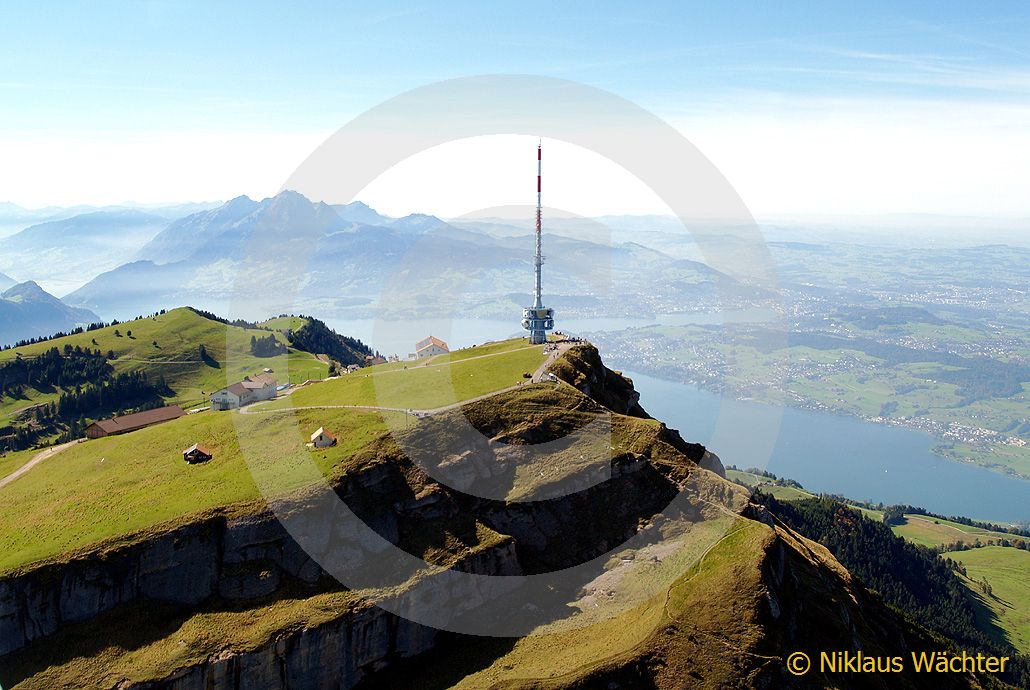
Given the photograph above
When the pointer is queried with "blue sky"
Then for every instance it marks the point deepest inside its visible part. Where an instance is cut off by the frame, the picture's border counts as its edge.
(100, 74)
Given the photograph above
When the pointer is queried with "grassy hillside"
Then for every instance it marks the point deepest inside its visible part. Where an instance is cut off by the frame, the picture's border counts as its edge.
(169, 345)
(931, 531)
(767, 486)
(1008, 605)
(9, 462)
(283, 323)
(113, 487)
(430, 383)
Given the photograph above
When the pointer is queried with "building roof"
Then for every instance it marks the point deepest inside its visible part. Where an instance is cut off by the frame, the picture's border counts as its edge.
(198, 448)
(131, 422)
(266, 379)
(321, 431)
(431, 340)
(249, 383)
(237, 389)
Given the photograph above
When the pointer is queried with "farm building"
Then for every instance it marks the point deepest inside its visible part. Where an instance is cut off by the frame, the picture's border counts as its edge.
(196, 454)
(322, 438)
(251, 389)
(430, 346)
(131, 422)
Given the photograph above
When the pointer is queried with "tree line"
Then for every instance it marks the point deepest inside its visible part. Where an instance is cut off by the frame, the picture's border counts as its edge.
(315, 337)
(266, 346)
(95, 326)
(90, 390)
(51, 369)
(902, 509)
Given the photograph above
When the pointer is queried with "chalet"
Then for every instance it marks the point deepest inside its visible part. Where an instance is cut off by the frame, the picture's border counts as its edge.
(196, 454)
(430, 346)
(131, 422)
(322, 438)
(372, 360)
(250, 390)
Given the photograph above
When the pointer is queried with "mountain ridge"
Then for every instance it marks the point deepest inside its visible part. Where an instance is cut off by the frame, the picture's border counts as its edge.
(356, 270)
(28, 311)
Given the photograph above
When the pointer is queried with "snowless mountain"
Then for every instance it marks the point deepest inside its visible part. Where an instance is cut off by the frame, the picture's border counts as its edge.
(28, 311)
(359, 212)
(223, 233)
(66, 253)
(396, 268)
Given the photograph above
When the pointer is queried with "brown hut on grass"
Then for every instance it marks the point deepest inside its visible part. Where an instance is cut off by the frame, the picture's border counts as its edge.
(196, 454)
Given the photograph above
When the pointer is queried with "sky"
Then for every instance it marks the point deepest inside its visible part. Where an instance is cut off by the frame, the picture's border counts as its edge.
(829, 108)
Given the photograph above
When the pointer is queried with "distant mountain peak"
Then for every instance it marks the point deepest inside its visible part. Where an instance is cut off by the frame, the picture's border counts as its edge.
(417, 221)
(224, 232)
(28, 311)
(236, 202)
(360, 212)
(30, 289)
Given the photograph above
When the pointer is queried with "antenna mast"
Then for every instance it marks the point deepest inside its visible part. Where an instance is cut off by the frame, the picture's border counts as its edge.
(539, 259)
(538, 319)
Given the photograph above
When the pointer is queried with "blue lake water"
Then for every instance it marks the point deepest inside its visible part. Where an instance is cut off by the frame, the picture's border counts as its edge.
(835, 454)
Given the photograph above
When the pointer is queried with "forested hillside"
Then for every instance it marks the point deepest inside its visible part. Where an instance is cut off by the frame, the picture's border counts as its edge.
(911, 578)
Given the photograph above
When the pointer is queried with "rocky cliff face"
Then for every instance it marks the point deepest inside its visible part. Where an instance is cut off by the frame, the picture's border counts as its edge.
(231, 558)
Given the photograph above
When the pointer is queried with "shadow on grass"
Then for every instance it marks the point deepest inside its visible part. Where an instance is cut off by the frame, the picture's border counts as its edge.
(126, 628)
(986, 618)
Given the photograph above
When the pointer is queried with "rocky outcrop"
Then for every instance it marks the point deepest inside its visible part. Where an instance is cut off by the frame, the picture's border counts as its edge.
(179, 566)
(582, 368)
(345, 650)
(232, 557)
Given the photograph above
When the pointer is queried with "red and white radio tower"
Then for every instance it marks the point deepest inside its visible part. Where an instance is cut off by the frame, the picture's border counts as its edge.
(538, 319)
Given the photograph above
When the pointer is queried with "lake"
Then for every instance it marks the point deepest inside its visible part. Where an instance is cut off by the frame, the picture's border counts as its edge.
(835, 454)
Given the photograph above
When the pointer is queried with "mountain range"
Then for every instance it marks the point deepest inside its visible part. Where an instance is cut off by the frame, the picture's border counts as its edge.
(64, 254)
(350, 261)
(28, 311)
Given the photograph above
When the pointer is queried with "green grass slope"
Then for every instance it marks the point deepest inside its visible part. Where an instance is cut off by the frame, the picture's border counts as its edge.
(115, 487)
(430, 383)
(1008, 604)
(931, 531)
(178, 335)
(918, 529)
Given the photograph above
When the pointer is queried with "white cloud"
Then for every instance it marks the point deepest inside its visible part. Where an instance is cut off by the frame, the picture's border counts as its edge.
(783, 157)
(89, 167)
(873, 157)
